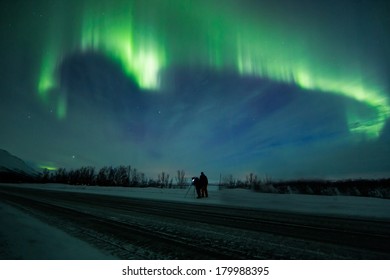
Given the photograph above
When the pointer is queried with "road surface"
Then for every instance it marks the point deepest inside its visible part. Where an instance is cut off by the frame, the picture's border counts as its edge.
(131, 228)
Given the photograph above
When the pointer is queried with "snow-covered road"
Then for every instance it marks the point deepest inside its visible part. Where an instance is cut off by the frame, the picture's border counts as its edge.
(25, 237)
(139, 228)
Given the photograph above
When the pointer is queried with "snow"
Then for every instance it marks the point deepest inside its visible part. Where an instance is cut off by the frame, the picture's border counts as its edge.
(25, 237)
(11, 162)
(350, 206)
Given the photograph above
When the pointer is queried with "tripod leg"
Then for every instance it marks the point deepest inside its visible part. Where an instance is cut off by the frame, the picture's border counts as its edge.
(187, 191)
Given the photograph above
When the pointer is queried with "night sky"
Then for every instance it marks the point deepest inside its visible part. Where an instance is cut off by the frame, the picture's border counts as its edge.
(291, 89)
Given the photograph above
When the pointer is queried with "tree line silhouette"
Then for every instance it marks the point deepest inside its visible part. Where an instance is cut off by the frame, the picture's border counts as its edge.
(352, 187)
(126, 176)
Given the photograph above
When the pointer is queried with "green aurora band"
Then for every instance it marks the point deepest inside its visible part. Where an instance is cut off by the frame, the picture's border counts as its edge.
(145, 37)
(140, 55)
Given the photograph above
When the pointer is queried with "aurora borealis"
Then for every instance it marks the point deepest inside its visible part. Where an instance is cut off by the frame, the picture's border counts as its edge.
(285, 88)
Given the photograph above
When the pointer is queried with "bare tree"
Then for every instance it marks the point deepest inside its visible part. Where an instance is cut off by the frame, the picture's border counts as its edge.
(229, 181)
(163, 179)
(180, 179)
(45, 175)
(251, 180)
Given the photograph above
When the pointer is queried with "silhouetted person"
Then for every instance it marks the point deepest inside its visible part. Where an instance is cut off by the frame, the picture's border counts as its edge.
(203, 185)
(196, 183)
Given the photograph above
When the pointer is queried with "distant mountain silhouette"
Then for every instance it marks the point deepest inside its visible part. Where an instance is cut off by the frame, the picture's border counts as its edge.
(13, 168)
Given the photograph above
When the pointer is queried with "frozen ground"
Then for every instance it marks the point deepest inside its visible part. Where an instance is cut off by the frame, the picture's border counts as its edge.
(312, 204)
(24, 236)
